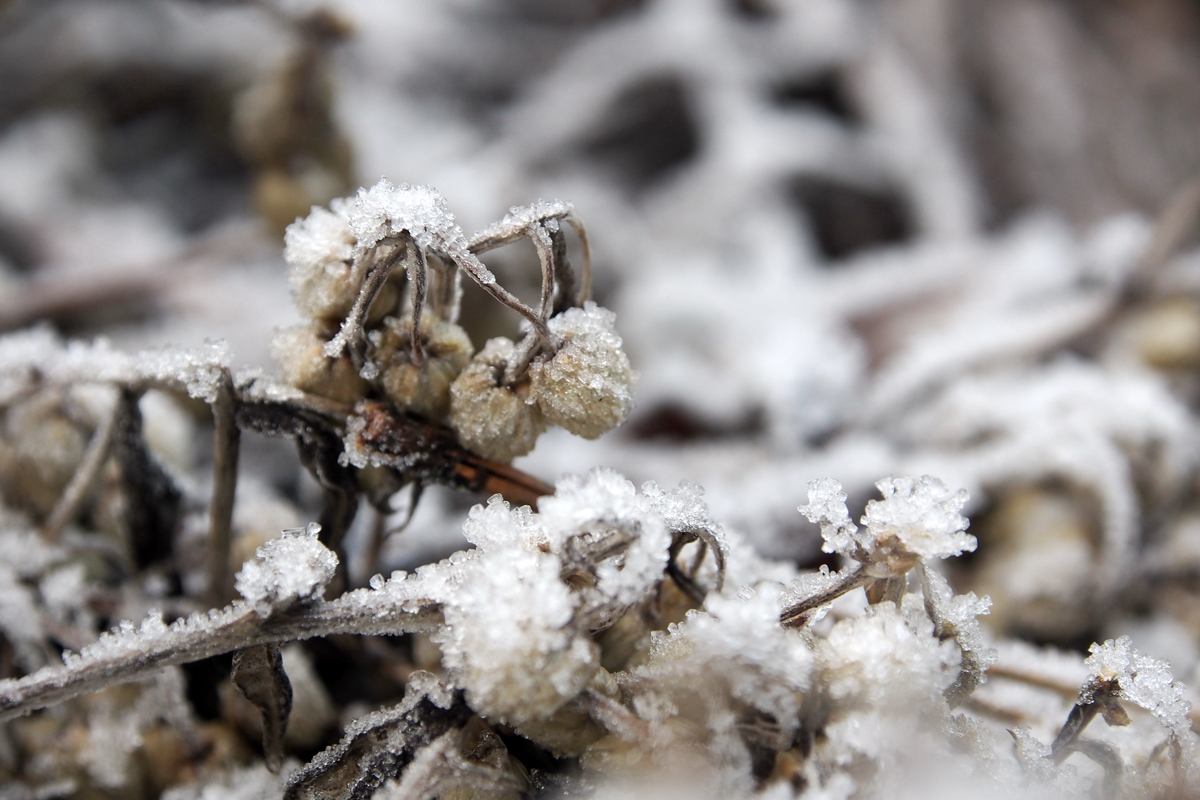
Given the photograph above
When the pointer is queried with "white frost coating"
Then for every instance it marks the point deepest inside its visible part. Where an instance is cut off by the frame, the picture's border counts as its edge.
(39, 351)
(1143, 681)
(385, 210)
(519, 218)
(740, 640)
(508, 640)
(827, 506)
(921, 515)
(291, 568)
(587, 387)
(319, 251)
(605, 498)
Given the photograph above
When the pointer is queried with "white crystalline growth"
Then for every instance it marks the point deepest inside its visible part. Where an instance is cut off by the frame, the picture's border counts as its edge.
(738, 639)
(605, 498)
(1145, 682)
(519, 218)
(507, 639)
(319, 251)
(827, 507)
(385, 210)
(291, 568)
(40, 353)
(921, 516)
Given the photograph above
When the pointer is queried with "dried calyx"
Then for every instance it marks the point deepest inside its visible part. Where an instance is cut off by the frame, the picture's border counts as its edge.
(345, 266)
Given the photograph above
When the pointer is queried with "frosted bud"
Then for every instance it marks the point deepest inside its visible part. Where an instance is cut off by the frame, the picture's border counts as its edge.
(290, 569)
(40, 450)
(495, 421)
(423, 389)
(319, 251)
(299, 351)
(587, 387)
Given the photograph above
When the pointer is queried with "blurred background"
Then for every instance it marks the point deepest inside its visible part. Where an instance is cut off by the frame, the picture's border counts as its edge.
(842, 238)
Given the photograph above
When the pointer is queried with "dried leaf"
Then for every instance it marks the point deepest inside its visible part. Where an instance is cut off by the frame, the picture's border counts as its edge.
(258, 672)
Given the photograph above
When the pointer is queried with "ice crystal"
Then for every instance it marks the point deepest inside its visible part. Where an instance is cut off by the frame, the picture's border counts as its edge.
(294, 567)
(921, 516)
(385, 210)
(827, 506)
(1143, 681)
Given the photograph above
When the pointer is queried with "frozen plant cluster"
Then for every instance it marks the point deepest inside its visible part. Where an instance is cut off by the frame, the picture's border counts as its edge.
(344, 267)
(836, 237)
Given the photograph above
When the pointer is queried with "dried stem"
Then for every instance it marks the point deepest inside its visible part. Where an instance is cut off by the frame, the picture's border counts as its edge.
(353, 335)
(202, 636)
(69, 505)
(226, 446)
(415, 264)
(851, 579)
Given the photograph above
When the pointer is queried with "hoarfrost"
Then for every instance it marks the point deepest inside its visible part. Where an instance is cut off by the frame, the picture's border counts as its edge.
(293, 567)
(587, 387)
(921, 516)
(385, 210)
(827, 506)
(1144, 681)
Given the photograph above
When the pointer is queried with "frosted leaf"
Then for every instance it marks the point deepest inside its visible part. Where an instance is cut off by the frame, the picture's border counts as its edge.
(916, 518)
(319, 251)
(587, 387)
(291, 568)
(827, 506)
(1143, 681)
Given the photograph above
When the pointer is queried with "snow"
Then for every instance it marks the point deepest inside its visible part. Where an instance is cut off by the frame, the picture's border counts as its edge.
(921, 515)
(1143, 681)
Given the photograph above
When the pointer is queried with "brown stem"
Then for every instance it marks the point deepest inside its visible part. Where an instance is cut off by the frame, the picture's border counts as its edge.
(226, 446)
(69, 505)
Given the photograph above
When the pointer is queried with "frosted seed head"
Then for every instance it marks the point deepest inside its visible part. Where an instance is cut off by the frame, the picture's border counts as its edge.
(917, 518)
(292, 568)
(497, 422)
(299, 351)
(587, 387)
(423, 389)
(319, 251)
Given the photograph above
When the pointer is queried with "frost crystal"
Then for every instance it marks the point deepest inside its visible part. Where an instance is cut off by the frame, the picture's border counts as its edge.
(827, 506)
(291, 568)
(385, 210)
(919, 516)
(1143, 681)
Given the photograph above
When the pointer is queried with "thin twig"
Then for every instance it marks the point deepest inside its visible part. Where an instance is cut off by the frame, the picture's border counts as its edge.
(235, 627)
(226, 446)
(68, 506)
(794, 615)
(415, 264)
